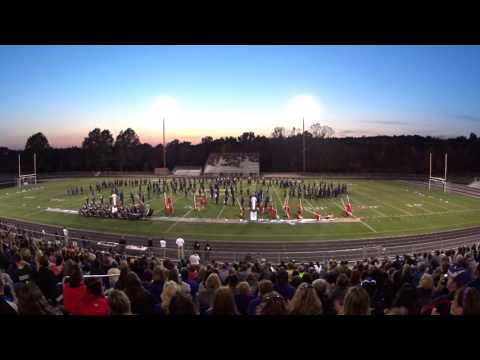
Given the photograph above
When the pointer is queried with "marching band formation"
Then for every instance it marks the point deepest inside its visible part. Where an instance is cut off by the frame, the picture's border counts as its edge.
(226, 191)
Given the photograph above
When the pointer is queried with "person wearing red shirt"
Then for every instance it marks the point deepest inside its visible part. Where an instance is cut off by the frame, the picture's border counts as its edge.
(94, 301)
(73, 289)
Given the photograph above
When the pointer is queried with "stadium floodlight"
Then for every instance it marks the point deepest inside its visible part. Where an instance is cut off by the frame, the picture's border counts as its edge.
(434, 179)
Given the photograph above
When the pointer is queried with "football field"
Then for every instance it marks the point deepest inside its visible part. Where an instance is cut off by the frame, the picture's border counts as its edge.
(382, 208)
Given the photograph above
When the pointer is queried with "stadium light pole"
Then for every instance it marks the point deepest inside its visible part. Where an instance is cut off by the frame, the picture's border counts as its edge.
(164, 149)
(303, 141)
(35, 166)
(19, 170)
(445, 180)
(430, 172)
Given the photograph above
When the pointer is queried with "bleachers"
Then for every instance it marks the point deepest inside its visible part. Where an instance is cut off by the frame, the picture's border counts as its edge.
(190, 171)
(233, 163)
(161, 171)
(475, 184)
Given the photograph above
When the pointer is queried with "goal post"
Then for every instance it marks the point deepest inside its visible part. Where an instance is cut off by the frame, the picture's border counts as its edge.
(436, 179)
(27, 179)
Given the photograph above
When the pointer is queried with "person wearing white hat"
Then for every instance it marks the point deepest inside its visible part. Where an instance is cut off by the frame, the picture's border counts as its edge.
(180, 242)
(163, 245)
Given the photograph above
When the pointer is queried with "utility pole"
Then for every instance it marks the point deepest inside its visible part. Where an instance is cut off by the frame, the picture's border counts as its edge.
(164, 149)
(445, 179)
(430, 173)
(35, 166)
(303, 140)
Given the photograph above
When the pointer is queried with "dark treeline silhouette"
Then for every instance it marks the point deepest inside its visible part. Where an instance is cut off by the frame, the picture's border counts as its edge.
(278, 153)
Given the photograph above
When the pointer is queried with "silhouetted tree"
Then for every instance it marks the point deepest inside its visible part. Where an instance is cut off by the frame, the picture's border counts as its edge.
(278, 132)
(125, 149)
(98, 149)
(36, 144)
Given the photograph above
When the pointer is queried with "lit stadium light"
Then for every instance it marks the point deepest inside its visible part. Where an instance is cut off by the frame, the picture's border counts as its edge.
(165, 106)
(304, 106)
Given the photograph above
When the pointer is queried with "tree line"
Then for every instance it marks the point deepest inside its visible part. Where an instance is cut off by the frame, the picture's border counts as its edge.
(279, 152)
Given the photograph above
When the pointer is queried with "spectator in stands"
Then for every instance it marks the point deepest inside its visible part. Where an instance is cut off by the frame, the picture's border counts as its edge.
(191, 283)
(7, 304)
(74, 289)
(282, 286)
(45, 279)
(30, 300)
(206, 294)
(405, 301)
(122, 279)
(264, 287)
(338, 299)
(194, 259)
(112, 280)
(424, 291)
(94, 301)
(4, 262)
(181, 305)
(180, 244)
(232, 281)
(158, 281)
(457, 277)
(356, 302)
(272, 304)
(57, 267)
(305, 301)
(141, 300)
(466, 302)
(321, 287)
(253, 282)
(243, 297)
(223, 302)
(169, 291)
(119, 303)
(182, 285)
(476, 283)
(21, 270)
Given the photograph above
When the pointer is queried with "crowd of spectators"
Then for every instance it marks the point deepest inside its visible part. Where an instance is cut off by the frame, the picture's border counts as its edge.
(41, 278)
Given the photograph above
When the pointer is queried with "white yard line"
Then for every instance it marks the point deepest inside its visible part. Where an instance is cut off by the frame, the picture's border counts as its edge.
(221, 211)
(368, 226)
(175, 223)
(389, 205)
(433, 213)
(369, 208)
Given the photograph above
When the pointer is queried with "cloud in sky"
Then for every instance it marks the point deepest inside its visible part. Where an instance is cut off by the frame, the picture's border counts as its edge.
(468, 117)
(386, 122)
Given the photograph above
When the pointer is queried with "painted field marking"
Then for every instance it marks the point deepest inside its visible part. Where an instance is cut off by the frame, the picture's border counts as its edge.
(387, 204)
(175, 223)
(221, 211)
(417, 193)
(368, 226)
(433, 213)
(372, 208)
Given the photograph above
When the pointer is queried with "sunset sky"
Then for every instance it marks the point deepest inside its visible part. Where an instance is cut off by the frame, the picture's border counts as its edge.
(66, 91)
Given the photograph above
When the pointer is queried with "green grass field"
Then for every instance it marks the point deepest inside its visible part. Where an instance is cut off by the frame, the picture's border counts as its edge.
(387, 208)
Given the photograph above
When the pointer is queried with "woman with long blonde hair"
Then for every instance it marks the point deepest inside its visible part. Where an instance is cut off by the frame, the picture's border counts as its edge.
(305, 301)
(169, 290)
